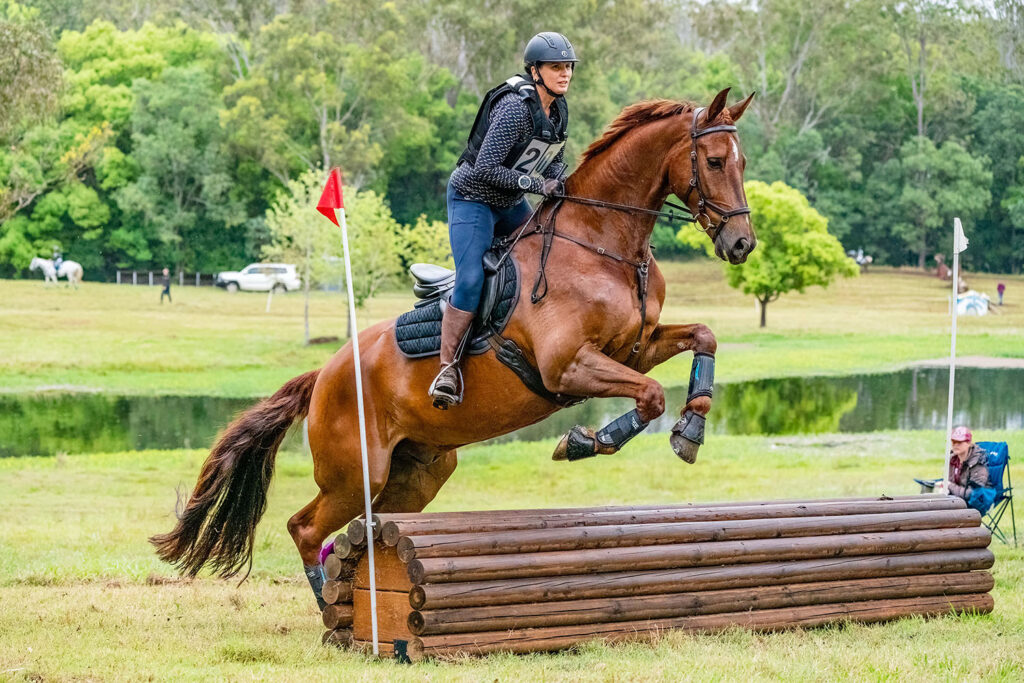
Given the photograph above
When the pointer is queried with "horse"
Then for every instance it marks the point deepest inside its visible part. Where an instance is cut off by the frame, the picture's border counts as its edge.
(72, 270)
(590, 336)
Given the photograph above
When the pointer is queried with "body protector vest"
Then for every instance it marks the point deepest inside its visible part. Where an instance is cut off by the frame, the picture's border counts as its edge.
(534, 155)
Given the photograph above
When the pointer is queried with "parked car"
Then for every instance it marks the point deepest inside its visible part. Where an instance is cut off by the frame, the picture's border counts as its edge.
(261, 277)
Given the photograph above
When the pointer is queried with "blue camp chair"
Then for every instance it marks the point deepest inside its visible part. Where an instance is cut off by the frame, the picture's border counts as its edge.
(999, 478)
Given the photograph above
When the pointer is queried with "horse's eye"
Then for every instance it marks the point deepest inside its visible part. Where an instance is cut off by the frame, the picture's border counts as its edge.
(714, 162)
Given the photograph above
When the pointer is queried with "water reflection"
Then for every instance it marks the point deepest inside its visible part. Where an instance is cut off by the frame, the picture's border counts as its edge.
(910, 399)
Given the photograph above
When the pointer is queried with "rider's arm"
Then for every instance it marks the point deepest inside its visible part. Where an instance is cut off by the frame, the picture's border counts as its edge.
(510, 122)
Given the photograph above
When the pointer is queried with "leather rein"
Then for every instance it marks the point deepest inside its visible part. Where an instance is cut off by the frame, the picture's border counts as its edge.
(547, 228)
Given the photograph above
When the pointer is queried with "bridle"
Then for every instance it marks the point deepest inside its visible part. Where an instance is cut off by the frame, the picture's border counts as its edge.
(547, 227)
(703, 203)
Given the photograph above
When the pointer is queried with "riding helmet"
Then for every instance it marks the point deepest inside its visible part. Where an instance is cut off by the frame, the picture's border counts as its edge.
(548, 47)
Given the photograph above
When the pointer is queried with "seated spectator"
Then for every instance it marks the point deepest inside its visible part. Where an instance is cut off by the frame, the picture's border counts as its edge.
(968, 471)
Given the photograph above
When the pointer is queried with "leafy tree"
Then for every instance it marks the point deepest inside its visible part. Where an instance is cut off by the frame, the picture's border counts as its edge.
(926, 187)
(300, 235)
(425, 241)
(30, 71)
(182, 190)
(794, 249)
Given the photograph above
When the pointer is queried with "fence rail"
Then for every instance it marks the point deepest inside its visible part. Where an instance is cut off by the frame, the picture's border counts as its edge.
(152, 278)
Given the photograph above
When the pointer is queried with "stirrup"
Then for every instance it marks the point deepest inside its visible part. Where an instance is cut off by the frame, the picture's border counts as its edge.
(443, 400)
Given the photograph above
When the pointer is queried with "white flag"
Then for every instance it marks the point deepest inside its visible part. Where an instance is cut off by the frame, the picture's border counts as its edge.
(959, 238)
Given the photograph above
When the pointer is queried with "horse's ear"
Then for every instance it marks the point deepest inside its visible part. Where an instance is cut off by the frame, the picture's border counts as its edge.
(716, 106)
(736, 110)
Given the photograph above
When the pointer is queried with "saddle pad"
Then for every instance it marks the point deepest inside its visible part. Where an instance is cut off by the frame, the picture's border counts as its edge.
(418, 332)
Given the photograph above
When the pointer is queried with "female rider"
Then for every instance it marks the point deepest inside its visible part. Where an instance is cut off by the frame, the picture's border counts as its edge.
(516, 146)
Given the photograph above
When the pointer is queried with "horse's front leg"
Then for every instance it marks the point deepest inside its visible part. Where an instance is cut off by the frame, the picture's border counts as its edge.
(591, 373)
(667, 341)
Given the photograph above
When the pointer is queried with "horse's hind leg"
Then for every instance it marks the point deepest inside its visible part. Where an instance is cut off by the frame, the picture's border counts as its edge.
(415, 476)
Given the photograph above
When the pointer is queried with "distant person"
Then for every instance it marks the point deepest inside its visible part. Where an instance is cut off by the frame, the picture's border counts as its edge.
(1000, 288)
(943, 272)
(166, 282)
(968, 471)
(58, 260)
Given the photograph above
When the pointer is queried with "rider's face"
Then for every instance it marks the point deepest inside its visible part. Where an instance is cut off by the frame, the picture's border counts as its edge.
(556, 76)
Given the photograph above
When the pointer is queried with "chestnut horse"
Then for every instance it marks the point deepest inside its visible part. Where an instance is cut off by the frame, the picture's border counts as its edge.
(581, 337)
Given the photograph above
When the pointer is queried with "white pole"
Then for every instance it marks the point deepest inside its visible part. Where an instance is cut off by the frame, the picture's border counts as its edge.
(362, 434)
(952, 348)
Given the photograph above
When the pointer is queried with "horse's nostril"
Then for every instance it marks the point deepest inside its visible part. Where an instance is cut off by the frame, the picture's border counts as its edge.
(740, 247)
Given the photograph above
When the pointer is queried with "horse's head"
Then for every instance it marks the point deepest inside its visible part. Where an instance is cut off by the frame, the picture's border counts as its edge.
(36, 263)
(707, 174)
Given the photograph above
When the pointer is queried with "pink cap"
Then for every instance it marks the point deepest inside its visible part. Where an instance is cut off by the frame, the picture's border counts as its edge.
(960, 434)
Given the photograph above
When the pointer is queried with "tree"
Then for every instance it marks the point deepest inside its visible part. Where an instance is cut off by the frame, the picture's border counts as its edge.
(794, 249)
(30, 71)
(300, 235)
(926, 187)
(182, 192)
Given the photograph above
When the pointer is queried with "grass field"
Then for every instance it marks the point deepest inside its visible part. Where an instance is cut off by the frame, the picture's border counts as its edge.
(82, 597)
(120, 339)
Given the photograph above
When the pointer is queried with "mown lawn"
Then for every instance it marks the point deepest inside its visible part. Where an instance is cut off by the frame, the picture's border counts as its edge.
(83, 598)
(120, 339)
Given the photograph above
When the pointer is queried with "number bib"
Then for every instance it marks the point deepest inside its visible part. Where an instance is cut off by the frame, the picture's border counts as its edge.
(537, 156)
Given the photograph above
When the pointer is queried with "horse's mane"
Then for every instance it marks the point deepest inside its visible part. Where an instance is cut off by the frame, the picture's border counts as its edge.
(631, 117)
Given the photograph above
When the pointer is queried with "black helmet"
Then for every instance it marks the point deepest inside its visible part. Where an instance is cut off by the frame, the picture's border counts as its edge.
(548, 47)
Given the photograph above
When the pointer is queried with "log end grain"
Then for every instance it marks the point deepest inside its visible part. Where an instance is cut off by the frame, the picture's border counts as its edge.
(417, 597)
(416, 571)
(335, 591)
(342, 546)
(390, 534)
(339, 637)
(356, 532)
(333, 567)
(337, 616)
(406, 548)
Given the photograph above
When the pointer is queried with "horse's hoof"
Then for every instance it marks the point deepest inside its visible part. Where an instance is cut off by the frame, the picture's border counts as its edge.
(684, 448)
(578, 443)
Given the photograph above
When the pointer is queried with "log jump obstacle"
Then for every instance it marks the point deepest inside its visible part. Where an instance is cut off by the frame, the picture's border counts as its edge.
(543, 580)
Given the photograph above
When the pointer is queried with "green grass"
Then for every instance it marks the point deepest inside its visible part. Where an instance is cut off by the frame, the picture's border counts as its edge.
(120, 339)
(83, 597)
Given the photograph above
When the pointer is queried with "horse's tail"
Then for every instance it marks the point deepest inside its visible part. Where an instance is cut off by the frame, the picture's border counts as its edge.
(218, 524)
(77, 274)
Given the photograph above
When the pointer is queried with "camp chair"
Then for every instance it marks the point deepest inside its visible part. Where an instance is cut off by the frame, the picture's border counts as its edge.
(999, 478)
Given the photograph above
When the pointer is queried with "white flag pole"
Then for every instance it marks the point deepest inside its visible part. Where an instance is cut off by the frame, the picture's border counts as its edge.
(957, 248)
(362, 434)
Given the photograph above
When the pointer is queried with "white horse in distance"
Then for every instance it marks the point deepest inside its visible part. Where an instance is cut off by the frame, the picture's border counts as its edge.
(72, 270)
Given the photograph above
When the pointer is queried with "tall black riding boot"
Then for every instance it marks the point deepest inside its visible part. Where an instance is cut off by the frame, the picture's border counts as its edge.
(445, 389)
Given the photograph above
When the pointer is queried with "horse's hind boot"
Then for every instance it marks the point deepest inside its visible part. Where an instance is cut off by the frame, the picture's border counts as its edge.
(688, 435)
(315, 575)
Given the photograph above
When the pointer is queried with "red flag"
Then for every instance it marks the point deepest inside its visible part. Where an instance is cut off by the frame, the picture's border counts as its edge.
(331, 199)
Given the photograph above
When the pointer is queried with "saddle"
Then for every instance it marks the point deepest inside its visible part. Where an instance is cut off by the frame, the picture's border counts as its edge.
(418, 332)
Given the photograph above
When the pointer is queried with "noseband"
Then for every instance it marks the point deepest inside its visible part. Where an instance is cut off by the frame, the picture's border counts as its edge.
(703, 203)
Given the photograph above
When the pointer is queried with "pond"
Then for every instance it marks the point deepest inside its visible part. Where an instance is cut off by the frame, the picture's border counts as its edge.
(45, 424)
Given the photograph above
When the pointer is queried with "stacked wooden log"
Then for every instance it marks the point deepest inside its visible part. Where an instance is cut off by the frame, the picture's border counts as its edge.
(540, 580)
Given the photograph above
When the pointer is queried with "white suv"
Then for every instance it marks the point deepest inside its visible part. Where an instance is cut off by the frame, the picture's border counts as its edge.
(261, 277)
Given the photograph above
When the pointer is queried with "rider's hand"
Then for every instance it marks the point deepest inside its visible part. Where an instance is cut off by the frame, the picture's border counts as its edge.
(553, 187)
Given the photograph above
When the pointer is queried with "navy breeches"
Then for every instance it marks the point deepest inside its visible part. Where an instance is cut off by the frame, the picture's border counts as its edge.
(471, 228)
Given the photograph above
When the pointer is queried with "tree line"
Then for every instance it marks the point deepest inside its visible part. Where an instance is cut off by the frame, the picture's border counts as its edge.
(164, 133)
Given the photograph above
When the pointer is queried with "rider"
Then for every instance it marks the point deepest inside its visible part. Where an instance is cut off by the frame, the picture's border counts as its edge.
(516, 146)
(58, 259)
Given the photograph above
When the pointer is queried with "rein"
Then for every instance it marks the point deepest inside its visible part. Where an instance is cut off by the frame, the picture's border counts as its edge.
(547, 229)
